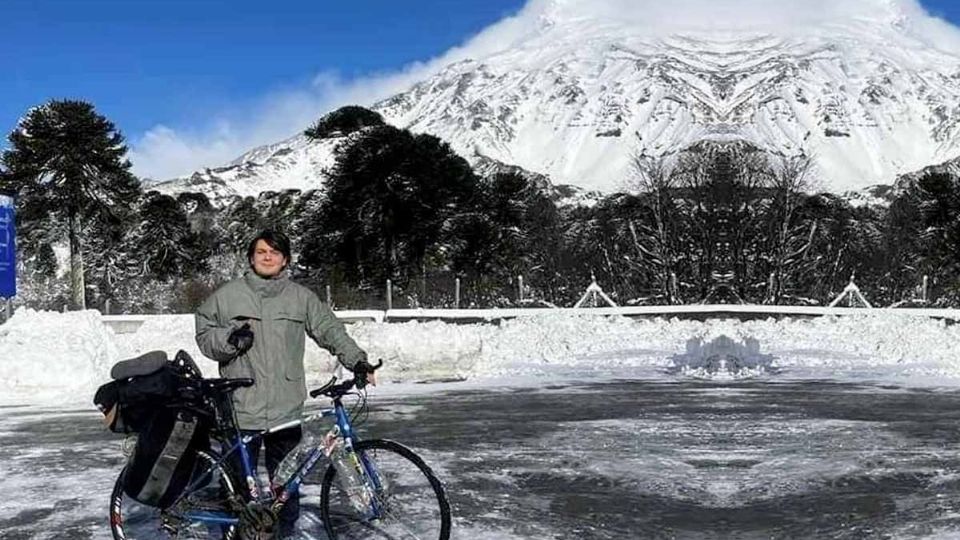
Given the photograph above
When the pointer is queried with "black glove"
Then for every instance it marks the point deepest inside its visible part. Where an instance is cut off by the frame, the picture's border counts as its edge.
(241, 338)
(360, 371)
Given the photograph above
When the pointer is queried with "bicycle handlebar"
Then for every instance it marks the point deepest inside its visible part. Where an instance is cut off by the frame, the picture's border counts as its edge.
(334, 390)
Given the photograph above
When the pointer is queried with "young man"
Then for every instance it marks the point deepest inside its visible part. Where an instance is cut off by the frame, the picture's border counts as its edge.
(254, 326)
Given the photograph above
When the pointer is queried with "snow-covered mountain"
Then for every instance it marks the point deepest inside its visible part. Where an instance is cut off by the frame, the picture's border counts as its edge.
(296, 163)
(584, 90)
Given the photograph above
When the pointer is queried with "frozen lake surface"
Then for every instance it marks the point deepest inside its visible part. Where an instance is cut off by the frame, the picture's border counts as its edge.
(676, 457)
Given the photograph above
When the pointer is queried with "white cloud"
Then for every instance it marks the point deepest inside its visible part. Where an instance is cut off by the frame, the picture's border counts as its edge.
(163, 152)
(769, 15)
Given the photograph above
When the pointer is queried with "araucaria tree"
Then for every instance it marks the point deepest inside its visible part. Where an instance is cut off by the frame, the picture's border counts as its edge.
(68, 162)
(164, 239)
(388, 198)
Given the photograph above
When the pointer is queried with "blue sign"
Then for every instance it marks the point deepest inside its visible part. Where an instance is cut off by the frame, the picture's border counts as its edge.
(8, 249)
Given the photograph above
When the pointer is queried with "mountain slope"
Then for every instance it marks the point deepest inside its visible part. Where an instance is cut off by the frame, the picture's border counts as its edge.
(296, 163)
(576, 100)
(591, 84)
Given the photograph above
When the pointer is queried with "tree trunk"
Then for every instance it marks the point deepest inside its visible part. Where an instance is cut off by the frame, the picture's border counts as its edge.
(76, 264)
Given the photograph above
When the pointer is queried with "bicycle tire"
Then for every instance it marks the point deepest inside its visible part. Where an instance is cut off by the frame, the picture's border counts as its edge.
(342, 522)
(130, 520)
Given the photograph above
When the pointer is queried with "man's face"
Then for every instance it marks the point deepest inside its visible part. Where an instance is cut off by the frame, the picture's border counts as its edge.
(267, 262)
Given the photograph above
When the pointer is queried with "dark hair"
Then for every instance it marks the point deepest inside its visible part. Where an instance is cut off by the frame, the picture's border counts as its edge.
(275, 239)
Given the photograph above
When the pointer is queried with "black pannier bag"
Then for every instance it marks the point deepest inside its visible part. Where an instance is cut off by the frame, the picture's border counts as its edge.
(150, 398)
(142, 385)
(165, 456)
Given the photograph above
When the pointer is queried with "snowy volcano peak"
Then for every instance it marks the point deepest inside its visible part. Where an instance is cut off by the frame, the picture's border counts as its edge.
(587, 84)
(573, 89)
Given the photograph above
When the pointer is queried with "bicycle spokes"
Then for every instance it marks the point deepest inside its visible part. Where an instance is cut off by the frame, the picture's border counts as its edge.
(407, 501)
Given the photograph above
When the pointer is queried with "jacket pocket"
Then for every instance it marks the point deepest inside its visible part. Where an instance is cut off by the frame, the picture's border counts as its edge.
(291, 328)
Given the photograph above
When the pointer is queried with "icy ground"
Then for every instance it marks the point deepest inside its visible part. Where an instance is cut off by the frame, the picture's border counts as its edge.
(608, 459)
(569, 428)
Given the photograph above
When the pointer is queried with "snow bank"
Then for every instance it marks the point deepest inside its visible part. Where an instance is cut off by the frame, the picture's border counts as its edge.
(46, 355)
(171, 333)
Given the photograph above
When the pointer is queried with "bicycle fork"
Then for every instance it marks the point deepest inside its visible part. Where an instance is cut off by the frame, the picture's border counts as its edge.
(359, 465)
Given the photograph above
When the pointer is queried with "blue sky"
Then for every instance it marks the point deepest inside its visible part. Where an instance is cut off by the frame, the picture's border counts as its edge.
(185, 69)
(144, 62)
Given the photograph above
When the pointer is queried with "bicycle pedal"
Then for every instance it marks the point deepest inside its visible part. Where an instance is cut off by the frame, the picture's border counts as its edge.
(169, 527)
(257, 523)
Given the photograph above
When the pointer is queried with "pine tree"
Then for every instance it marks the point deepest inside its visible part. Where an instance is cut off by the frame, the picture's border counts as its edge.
(46, 261)
(344, 121)
(238, 223)
(165, 241)
(68, 161)
(940, 236)
(109, 261)
(389, 196)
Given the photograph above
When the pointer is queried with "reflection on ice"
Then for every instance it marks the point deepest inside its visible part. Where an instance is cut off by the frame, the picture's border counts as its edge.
(722, 358)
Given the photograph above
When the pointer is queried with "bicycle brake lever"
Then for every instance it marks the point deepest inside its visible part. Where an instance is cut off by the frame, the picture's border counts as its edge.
(319, 391)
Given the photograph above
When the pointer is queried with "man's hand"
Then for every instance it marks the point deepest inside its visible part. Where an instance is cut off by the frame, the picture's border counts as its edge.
(364, 374)
(241, 338)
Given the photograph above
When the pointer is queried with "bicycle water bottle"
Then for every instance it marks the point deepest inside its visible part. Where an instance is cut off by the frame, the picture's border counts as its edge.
(352, 480)
(292, 461)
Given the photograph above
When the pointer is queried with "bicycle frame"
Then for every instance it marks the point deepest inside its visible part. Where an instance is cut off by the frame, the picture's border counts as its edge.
(278, 496)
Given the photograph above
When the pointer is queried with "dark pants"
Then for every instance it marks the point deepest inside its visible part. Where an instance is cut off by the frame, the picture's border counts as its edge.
(278, 445)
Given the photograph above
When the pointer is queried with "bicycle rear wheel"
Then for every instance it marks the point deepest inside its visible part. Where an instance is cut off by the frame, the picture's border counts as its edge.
(131, 520)
(412, 502)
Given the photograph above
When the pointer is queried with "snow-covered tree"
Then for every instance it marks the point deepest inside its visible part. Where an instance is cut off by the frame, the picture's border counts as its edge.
(164, 241)
(344, 121)
(68, 163)
(389, 195)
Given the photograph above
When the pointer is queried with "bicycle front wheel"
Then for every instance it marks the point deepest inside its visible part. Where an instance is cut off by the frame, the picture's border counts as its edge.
(131, 520)
(410, 501)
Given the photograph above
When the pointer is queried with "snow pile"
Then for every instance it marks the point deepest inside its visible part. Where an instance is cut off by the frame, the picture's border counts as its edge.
(45, 354)
(48, 355)
(883, 338)
(913, 344)
(168, 333)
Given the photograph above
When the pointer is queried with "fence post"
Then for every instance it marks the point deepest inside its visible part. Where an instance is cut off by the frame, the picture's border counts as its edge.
(520, 288)
(106, 307)
(329, 296)
(65, 308)
(389, 295)
(924, 290)
(456, 294)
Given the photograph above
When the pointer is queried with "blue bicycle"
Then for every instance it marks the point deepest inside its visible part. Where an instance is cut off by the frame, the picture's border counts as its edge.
(386, 491)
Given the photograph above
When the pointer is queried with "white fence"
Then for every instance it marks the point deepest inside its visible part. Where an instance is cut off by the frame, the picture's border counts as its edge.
(122, 324)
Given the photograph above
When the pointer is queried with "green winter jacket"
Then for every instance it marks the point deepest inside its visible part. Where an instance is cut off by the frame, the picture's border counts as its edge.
(279, 313)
